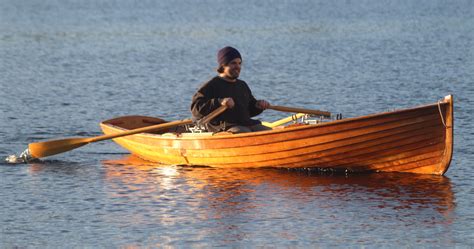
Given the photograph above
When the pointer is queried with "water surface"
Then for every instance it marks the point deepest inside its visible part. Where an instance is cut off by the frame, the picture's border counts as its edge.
(67, 65)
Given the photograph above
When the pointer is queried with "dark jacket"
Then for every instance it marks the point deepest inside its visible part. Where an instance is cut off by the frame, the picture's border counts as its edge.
(211, 93)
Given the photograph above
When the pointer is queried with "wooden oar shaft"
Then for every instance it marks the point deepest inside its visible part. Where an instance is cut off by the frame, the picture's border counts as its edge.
(213, 114)
(297, 110)
(141, 130)
(53, 147)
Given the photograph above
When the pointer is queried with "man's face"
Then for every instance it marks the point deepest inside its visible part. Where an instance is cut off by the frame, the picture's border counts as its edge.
(232, 70)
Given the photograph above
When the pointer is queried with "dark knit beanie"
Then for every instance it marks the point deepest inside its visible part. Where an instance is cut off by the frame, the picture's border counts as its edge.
(226, 55)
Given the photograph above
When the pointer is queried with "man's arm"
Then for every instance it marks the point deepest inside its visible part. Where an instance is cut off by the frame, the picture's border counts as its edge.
(203, 102)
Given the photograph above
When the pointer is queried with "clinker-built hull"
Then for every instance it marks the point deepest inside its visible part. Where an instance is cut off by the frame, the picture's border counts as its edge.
(415, 140)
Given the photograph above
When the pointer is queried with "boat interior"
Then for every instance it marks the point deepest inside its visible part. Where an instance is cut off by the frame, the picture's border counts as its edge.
(135, 122)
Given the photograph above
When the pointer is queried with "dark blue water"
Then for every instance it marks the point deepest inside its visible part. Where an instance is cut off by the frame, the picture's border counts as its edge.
(67, 65)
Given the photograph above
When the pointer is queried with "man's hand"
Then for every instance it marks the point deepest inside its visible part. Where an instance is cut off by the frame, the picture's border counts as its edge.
(262, 104)
(229, 102)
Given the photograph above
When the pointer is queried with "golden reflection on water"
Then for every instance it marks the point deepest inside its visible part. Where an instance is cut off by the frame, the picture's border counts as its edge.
(231, 190)
(240, 204)
(167, 204)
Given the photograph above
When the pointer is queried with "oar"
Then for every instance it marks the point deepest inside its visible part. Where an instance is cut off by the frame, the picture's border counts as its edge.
(301, 110)
(212, 115)
(283, 120)
(53, 147)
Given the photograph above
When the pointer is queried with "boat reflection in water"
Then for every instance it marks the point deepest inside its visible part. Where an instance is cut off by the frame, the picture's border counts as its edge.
(406, 197)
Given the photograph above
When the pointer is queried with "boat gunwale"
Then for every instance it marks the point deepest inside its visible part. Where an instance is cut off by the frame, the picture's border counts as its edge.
(211, 136)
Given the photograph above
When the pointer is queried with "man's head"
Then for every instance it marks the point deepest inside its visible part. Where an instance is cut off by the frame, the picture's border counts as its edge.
(229, 60)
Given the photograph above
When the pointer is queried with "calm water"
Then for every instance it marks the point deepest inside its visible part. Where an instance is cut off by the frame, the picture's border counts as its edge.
(67, 65)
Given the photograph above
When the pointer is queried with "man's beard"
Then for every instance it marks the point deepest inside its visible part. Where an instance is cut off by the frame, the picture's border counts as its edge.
(233, 75)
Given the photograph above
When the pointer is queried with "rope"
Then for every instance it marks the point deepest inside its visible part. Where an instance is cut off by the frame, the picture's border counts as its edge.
(294, 117)
(441, 114)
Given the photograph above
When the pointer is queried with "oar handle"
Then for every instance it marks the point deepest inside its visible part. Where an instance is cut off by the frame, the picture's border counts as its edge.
(297, 110)
(213, 114)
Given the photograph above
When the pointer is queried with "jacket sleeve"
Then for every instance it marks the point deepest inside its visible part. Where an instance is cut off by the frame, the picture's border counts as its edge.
(203, 102)
(253, 110)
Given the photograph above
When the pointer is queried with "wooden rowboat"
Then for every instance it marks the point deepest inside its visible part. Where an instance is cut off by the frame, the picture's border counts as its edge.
(414, 140)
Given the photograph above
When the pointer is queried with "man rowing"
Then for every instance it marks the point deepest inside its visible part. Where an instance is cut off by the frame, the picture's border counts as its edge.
(227, 89)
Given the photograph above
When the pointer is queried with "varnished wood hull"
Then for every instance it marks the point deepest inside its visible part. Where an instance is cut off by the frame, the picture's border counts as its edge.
(415, 140)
